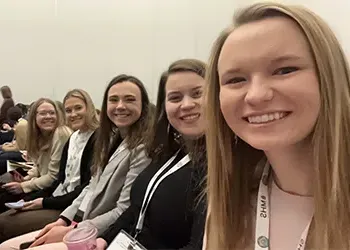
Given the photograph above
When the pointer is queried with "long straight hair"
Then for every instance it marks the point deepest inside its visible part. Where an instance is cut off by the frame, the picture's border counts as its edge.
(108, 134)
(36, 141)
(92, 120)
(162, 137)
(231, 168)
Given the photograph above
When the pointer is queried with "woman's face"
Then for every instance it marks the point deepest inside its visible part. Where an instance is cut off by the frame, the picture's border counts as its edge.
(124, 104)
(46, 117)
(76, 113)
(269, 91)
(183, 103)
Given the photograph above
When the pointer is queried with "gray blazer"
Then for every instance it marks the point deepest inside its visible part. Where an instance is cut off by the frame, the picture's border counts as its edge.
(110, 190)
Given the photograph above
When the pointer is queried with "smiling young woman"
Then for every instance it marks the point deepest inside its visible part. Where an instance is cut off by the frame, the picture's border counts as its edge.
(279, 120)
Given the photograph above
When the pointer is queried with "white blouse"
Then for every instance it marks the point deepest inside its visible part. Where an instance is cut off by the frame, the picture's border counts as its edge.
(76, 147)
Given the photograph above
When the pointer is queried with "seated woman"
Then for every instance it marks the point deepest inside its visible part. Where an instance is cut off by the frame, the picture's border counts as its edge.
(120, 156)
(45, 141)
(73, 176)
(166, 209)
(12, 150)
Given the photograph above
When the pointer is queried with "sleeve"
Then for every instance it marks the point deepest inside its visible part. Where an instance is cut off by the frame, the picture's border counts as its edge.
(125, 222)
(47, 192)
(59, 140)
(63, 201)
(72, 210)
(21, 134)
(139, 161)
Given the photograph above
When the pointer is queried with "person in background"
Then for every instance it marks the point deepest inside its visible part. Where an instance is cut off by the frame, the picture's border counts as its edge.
(24, 109)
(7, 133)
(6, 104)
(120, 156)
(73, 177)
(46, 138)
(14, 150)
(174, 218)
(279, 121)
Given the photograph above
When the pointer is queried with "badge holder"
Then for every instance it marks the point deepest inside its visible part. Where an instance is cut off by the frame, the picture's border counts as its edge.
(124, 241)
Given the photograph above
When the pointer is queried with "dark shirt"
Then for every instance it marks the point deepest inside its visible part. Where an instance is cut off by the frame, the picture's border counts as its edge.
(176, 215)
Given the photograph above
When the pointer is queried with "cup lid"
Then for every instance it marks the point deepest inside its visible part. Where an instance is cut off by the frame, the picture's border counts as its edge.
(80, 234)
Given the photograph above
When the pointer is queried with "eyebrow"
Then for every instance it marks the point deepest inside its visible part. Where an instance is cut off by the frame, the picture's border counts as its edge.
(176, 92)
(275, 60)
(123, 96)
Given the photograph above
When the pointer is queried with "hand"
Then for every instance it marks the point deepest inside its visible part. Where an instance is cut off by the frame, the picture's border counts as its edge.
(25, 156)
(56, 234)
(33, 205)
(17, 177)
(48, 227)
(13, 188)
(6, 127)
(101, 244)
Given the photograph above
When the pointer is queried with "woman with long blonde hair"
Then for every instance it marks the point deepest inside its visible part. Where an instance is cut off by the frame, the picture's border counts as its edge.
(46, 137)
(279, 117)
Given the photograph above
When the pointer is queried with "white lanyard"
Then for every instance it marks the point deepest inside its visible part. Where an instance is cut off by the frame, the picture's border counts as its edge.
(263, 216)
(154, 183)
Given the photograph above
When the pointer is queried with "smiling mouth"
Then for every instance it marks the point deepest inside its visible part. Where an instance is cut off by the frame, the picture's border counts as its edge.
(191, 117)
(122, 115)
(266, 118)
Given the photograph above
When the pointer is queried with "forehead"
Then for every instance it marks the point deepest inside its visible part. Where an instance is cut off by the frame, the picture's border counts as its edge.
(46, 106)
(73, 101)
(263, 40)
(124, 88)
(183, 81)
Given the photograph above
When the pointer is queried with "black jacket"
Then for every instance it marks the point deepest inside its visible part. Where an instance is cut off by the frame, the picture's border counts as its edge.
(63, 201)
(176, 215)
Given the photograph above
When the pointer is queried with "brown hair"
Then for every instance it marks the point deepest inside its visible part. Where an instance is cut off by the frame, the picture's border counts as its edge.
(6, 92)
(108, 134)
(231, 168)
(163, 136)
(36, 141)
(92, 121)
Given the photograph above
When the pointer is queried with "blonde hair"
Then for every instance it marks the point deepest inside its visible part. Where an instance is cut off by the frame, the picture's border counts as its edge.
(231, 168)
(36, 141)
(92, 121)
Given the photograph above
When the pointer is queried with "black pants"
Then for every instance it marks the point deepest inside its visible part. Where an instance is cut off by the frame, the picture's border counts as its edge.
(10, 155)
(8, 197)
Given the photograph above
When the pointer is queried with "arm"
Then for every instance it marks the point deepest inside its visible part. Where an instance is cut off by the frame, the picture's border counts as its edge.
(125, 222)
(139, 161)
(36, 183)
(47, 192)
(71, 211)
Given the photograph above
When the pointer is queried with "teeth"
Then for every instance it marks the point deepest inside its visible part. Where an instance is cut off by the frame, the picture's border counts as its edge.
(190, 117)
(267, 117)
(123, 116)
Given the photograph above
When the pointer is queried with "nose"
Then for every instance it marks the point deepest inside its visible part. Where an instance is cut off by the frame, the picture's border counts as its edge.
(120, 105)
(259, 91)
(188, 103)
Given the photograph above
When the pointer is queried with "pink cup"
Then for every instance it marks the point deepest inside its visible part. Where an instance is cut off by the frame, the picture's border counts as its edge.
(81, 239)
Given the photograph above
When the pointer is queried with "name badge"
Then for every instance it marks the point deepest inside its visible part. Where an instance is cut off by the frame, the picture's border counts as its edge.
(124, 241)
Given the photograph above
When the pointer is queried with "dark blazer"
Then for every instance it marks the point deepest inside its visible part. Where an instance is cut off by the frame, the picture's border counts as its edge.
(63, 201)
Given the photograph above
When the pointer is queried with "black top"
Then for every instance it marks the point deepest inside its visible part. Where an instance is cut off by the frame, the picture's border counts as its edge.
(63, 201)
(176, 215)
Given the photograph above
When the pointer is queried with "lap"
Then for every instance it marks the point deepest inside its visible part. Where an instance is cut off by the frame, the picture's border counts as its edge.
(14, 223)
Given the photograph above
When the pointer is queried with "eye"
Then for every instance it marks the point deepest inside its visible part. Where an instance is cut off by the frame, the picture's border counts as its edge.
(197, 93)
(78, 107)
(285, 70)
(68, 111)
(113, 99)
(130, 99)
(235, 80)
(174, 98)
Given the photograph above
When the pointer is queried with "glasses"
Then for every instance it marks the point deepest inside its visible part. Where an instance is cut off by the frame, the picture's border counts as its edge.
(45, 113)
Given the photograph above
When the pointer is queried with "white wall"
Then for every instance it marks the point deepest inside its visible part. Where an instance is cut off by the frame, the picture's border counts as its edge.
(50, 46)
(336, 13)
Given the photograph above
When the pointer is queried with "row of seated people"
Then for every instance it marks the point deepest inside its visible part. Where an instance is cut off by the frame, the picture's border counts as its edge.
(131, 163)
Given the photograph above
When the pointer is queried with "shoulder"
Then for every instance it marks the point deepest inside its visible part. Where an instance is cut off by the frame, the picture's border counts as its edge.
(62, 133)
